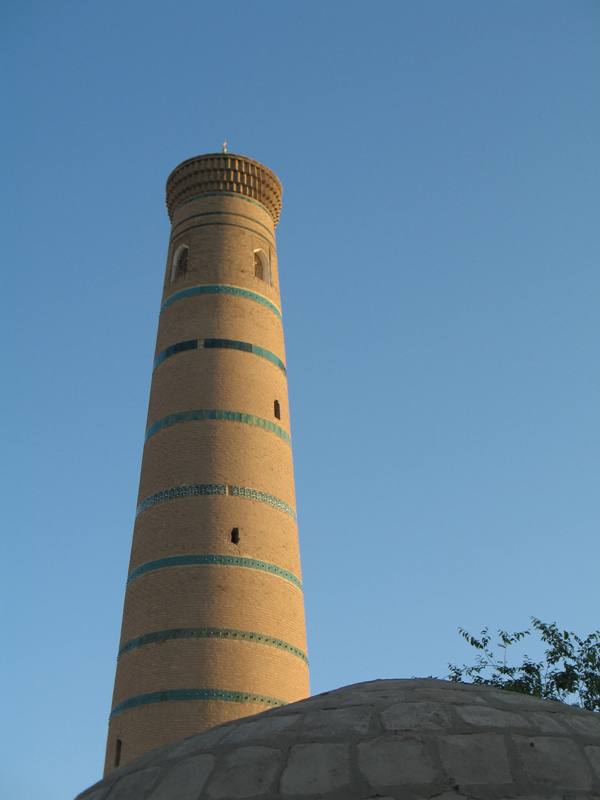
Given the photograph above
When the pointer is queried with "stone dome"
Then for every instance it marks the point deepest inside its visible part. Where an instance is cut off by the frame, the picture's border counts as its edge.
(387, 739)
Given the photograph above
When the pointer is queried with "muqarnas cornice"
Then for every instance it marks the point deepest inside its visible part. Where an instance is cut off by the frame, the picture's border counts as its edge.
(224, 172)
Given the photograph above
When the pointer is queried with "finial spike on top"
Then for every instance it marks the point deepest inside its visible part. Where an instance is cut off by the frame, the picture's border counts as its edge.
(224, 148)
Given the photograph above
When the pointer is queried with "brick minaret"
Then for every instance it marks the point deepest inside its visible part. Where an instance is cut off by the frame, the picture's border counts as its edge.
(213, 622)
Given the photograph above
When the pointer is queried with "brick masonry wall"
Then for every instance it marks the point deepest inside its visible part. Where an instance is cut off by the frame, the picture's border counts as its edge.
(213, 629)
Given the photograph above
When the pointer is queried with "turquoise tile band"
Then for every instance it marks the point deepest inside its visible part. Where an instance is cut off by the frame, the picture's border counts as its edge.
(217, 414)
(202, 560)
(221, 288)
(190, 490)
(232, 344)
(178, 347)
(209, 489)
(195, 694)
(261, 497)
(212, 633)
(226, 344)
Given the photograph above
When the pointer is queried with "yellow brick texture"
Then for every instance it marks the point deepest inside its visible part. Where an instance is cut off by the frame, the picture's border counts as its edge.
(221, 249)
(145, 728)
(214, 596)
(222, 208)
(220, 317)
(217, 451)
(226, 379)
(230, 664)
(191, 525)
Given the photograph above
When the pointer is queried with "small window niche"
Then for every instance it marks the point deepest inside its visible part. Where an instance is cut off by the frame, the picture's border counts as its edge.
(118, 749)
(262, 266)
(276, 409)
(179, 265)
(235, 536)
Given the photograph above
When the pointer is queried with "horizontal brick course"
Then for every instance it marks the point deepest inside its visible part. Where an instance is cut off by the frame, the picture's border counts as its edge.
(189, 526)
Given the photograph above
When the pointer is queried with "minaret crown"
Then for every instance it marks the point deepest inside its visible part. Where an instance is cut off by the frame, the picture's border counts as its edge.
(224, 172)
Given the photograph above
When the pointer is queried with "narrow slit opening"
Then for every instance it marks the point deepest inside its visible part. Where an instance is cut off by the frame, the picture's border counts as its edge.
(277, 409)
(235, 535)
(118, 748)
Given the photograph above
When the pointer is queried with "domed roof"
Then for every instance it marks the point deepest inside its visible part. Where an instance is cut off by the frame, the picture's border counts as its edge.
(388, 739)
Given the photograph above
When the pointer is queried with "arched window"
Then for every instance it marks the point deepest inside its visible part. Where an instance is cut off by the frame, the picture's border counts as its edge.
(277, 409)
(179, 265)
(262, 267)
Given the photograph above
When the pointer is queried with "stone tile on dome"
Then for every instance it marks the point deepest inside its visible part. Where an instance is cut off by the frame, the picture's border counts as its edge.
(448, 696)
(475, 758)
(316, 770)
(396, 761)
(593, 755)
(333, 722)
(185, 779)
(200, 742)
(256, 730)
(371, 741)
(486, 716)
(425, 715)
(584, 725)
(244, 772)
(135, 785)
(553, 759)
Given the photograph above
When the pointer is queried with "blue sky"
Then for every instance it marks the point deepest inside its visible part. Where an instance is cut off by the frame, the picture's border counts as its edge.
(439, 256)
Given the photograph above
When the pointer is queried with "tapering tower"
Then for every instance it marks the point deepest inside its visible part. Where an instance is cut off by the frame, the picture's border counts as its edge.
(213, 622)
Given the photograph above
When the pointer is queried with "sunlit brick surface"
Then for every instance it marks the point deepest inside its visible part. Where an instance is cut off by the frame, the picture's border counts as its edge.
(206, 471)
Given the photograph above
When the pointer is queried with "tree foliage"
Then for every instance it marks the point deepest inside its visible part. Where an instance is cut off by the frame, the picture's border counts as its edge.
(569, 671)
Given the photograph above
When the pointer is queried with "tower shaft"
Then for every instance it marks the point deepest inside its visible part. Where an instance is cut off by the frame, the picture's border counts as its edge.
(213, 621)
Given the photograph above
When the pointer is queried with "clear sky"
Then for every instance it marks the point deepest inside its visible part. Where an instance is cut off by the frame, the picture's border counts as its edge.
(439, 257)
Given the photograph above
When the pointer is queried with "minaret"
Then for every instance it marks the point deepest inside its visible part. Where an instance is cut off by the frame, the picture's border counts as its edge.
(213, 622)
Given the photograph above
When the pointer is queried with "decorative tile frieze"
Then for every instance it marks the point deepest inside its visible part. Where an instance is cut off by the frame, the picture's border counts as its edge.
(189, 490)
(204, 489)
(210, 559)
(261, 497)
(167, 695)
(212, 633)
